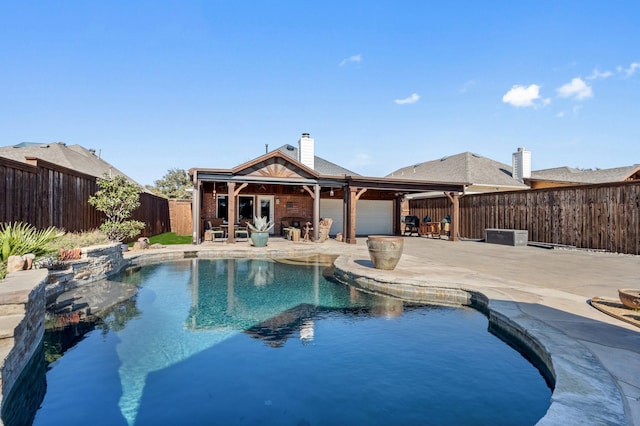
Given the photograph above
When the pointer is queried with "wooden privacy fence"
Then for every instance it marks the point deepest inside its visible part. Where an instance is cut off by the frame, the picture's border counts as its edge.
(180, 214)
(602, 216)
(44, 194)
(154, 212)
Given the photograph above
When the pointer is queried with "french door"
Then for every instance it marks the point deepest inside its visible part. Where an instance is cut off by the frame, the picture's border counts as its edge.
(265, 208)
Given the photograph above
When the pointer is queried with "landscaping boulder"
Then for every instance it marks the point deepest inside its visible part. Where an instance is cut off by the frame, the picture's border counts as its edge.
(141, 244)
(28, 260)
(15, 263)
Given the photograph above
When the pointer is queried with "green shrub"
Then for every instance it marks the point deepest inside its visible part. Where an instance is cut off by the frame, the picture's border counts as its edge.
(117, 198)
(81, 239)
(3, 269)
(18, 239)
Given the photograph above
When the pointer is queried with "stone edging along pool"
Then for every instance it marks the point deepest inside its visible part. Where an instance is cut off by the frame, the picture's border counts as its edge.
(583, 391)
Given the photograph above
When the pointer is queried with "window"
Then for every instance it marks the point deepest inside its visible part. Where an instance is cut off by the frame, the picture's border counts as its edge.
(245, 208)
(222, 208)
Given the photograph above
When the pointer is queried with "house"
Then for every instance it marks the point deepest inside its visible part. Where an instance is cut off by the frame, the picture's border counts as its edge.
(74, 157)
(485, 175)
(294, 185)
(480, 174)
(566, 176)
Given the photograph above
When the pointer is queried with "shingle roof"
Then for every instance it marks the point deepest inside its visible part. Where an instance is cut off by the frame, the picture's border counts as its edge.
(568, 174)
(322, 166)
(73, 157)
(466, 167)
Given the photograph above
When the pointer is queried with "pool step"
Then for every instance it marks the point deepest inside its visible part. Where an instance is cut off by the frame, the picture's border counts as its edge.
(8, 324)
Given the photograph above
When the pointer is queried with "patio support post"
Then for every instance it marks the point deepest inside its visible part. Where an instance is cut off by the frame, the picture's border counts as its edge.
(397, 214)
(345, 216)
(195, 210)
(231, 212)
(351, 206)
(316, 211)
(454, 197)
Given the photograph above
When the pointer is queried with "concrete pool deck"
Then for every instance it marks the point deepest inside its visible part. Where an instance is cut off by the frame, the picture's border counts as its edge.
(540, 296)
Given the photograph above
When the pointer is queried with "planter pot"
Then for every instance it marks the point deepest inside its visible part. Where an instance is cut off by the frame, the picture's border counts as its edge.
(630, 297)
(259, 239)
(385, 251)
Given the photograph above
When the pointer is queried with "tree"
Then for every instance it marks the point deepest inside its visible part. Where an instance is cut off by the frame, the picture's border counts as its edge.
(174, 184)
(117, 198)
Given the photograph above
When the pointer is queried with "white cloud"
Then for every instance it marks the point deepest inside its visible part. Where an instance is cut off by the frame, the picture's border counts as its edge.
(574, 111)
(466, 86)
(410, 100)
(635, 66)
(354, 59)
(577, 88)
(520, 96)
(599, 74)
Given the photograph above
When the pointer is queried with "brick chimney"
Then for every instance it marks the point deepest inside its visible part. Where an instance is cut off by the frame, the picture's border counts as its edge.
(306, 153)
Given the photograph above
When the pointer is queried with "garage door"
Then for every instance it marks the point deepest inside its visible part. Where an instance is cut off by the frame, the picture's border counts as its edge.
(372, 216)
(332, 209)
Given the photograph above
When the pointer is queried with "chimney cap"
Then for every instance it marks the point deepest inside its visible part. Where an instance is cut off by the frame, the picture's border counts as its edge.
(305, 135)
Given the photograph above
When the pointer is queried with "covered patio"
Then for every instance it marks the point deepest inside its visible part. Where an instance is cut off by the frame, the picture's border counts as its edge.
(279, 187)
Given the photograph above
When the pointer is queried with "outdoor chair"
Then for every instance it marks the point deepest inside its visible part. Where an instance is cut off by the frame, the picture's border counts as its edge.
(285, 229)
(242, 231)
(214, 231)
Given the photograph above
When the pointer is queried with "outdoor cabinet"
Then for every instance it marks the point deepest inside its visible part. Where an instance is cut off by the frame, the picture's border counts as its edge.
(509, 237)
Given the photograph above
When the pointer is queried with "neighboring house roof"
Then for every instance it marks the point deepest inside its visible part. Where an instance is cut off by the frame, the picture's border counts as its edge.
(74, 157)
(568, 174)
(321, 165)
(480, 173)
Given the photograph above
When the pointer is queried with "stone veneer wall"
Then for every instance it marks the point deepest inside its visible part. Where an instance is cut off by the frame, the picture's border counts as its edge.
(23, 300)
(22, 306)
(96, 263)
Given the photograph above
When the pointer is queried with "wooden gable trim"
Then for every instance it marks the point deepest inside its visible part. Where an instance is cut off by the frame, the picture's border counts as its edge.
(634, 175)
(275, 164)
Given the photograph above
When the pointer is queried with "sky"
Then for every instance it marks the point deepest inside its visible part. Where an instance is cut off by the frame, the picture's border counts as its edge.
(379, 85)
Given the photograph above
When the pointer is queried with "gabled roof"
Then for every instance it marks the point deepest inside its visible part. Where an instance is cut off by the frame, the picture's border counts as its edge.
(74, 157)
(568, 174)
(475, 170)
(275, 164)
(284, 169)
(322, 166)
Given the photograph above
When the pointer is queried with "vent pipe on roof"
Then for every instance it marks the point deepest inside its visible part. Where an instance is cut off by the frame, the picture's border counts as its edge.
(306, 153)
(521, 162)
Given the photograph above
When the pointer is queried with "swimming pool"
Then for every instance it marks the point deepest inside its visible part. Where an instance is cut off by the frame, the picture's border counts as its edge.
(257, 341)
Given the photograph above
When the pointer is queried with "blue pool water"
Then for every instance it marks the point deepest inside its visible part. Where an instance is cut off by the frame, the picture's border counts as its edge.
(261, 342)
